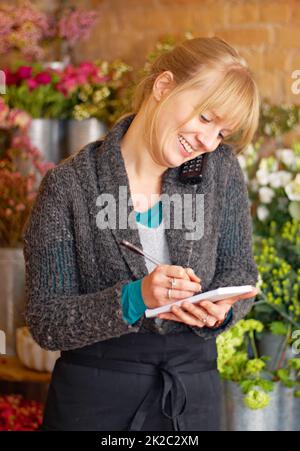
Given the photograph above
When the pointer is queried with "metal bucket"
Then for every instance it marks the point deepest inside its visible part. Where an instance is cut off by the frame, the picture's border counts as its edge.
(80, 133)
(49, 136)
(12, 295)
(238, 417)
(281, 414)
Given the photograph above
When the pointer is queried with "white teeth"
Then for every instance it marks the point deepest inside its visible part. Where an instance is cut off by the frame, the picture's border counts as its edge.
(185, 144)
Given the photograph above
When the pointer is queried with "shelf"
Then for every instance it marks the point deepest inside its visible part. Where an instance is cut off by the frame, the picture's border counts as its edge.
(11, 369)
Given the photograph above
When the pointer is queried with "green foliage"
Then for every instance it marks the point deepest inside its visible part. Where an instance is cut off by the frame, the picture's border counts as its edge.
(235, 365)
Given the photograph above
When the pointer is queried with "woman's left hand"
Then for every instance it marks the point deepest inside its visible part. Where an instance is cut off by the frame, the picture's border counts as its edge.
(205, 313)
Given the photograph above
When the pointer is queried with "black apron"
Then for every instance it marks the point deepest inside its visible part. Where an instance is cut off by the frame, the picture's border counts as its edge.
(136, 382)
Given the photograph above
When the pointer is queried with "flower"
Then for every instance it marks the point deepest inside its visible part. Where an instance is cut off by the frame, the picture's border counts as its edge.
(293, 189)
(287, 156)
(43, 78)
(256, 399)
(262, 212)
(18, 414)
(262, 176)
(266, 194)
(21, 169)
(75, 25)
(24, 72)
(279, 178)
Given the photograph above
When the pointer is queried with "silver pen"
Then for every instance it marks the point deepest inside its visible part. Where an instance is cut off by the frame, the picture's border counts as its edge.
(135, 249)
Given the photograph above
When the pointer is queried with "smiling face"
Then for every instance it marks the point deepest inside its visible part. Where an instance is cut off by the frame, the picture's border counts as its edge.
(178, 139)
(203, 133)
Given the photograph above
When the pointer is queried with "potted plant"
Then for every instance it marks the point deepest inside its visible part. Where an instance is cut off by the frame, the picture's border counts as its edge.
(248, 388)
(21, 169)
(94, 94)
(69, 107)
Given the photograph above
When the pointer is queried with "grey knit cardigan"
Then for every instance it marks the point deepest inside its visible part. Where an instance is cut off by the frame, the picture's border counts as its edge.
(75, 271)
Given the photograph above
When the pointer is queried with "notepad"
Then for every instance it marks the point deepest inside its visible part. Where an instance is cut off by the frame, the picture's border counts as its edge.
(212, 296)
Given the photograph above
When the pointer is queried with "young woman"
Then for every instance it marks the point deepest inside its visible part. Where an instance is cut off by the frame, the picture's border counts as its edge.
(87, 294)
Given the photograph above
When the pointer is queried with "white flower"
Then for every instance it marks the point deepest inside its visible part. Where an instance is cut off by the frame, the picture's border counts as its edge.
(266, 194)
(293, 189)
(262, 177)
(262, 212)
(279, 178)
(287, 156)
(269, 164)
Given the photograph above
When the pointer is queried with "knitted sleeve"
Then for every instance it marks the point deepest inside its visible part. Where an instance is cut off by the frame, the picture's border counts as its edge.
(57, 314)
(235, 263)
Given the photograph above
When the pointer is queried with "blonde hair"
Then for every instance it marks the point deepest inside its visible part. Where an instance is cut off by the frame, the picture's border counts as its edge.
(221, 74)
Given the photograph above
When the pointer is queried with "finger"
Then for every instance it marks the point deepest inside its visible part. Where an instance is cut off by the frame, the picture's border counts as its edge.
(199, 313)
(217, 311)
(176, 271)
(192, 275)
(181, 284)
(175, 295)
(186, 317)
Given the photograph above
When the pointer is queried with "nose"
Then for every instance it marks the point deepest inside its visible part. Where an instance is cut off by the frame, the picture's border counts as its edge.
(207, 140)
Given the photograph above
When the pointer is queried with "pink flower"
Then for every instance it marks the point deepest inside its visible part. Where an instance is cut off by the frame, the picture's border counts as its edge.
(67, 85)
(77, 25)
(87, 68)
(4, 111)
(19, 118)
(11, 78)
(43, 78)
(24, 72)
(102, 79)
(31, 83)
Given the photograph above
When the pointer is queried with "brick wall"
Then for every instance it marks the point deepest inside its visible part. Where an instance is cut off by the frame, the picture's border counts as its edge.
(266, 32)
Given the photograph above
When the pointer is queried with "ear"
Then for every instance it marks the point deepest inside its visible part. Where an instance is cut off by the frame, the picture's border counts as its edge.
(163, 84)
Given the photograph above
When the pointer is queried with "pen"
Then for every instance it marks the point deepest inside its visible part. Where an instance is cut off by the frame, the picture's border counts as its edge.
(140, 252)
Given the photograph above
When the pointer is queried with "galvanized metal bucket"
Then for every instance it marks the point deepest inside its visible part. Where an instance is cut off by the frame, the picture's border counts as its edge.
(80, 133)
(49, 136)
(12, 295)
(282, 413)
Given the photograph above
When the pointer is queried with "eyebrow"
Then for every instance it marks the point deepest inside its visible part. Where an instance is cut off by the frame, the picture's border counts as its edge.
(218, 118)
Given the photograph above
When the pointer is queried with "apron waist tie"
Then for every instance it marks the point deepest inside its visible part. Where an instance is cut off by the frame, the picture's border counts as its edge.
(172, 386)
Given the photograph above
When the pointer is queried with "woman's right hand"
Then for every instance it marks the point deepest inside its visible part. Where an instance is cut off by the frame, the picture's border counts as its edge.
(155, 285)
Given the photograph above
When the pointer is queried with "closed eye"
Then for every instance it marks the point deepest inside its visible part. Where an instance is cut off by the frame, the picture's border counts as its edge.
(207, 120)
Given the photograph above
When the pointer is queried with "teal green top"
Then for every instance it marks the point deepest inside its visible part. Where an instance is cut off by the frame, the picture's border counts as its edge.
(132, 301)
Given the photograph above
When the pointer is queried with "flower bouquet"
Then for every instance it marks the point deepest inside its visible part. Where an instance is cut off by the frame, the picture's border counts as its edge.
(18, 414)
(31, 32)
(90, 89)
(273, 185)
